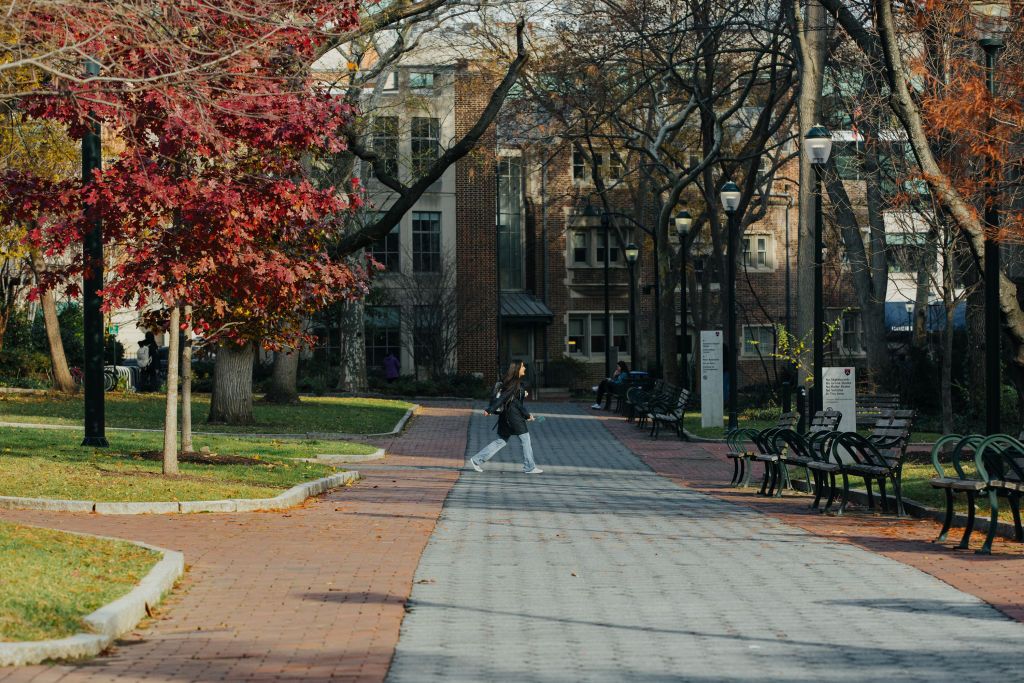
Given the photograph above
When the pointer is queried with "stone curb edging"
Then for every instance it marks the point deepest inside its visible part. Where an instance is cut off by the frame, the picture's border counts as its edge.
(322, 436)
(341, 460)
(108, 622)
(290, 498)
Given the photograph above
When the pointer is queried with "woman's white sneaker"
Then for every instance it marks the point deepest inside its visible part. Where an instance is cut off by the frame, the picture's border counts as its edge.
(473, 463)
(535, 470)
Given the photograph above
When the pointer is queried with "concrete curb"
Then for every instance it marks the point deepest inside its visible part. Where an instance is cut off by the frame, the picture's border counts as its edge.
(306, 436)
(108, 622)
(290, 498)
(340, 460)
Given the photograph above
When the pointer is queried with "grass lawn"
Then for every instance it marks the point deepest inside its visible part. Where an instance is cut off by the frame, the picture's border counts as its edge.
(47, 463)
(146, 411)
(53, 579)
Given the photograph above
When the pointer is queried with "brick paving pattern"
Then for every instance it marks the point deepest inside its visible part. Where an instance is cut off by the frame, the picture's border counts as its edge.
(996, 579)
(316, 593)
(602, 570)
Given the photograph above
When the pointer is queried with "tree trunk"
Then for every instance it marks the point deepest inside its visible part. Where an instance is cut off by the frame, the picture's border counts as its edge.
(171, 409)
(231, 402)
(352, 375)
(62, 380)
(186, 385)
(810, 40)
(924, 281)
(284, 378)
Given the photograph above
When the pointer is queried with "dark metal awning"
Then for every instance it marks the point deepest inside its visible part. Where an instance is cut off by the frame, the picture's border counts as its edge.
(524, 308)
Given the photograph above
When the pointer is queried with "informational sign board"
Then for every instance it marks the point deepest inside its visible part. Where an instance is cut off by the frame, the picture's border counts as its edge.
(839, 392)
(711, 395)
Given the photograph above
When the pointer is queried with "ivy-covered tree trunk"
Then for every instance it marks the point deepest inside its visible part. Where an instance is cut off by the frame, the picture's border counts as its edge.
(171, 406)
(284, 377)
(62, 380)
(353, 347)
(231, 402)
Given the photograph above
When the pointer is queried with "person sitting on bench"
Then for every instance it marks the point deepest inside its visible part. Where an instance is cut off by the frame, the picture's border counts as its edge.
(620, 375)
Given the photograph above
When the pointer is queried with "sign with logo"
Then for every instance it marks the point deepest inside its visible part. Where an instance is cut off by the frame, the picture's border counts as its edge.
(711, 394)
(839, 392)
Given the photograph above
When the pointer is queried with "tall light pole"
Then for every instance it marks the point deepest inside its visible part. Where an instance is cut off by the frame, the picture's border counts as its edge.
(632, 254)
(992, 45)
(683, 222)
(730, 195)
(818, 147)
(92, 283)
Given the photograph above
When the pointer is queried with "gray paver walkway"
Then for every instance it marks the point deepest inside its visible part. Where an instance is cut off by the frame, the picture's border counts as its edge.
(600, 570)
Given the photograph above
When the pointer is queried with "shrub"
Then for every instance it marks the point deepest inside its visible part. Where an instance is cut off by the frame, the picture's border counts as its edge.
(21, 363)
(463, 386)
(568, 372)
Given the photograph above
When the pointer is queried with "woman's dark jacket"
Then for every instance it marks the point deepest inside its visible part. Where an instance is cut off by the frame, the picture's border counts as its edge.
(513, 416)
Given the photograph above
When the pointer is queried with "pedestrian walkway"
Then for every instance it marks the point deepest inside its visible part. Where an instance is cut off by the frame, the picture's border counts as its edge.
(601, 570)
(315, 593)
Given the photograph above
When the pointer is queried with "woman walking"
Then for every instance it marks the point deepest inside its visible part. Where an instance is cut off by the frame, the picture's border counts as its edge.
(512, 419)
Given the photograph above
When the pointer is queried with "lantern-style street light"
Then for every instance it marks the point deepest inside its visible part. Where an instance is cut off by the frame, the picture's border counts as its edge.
(730, 195)
(684, 221)
(817, 148)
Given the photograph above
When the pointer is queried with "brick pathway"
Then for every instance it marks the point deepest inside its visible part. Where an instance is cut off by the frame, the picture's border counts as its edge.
(315, 593)
(996, 579)
(601, 570)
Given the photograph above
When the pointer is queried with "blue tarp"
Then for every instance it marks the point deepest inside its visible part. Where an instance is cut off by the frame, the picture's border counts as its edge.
(898, 320)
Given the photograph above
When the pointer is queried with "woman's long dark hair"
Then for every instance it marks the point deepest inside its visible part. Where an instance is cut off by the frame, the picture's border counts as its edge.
(512, 382)
(623, 367)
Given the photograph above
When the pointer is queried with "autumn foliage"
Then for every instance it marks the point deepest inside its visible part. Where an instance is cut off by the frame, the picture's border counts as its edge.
(208, 200)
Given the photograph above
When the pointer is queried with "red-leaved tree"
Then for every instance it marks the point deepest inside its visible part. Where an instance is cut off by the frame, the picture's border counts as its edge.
(208, 204)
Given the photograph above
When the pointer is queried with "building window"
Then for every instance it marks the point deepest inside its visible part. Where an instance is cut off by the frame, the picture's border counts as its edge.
(615, 166)
(426, 144)
(384, 141)
(906, 252)
(578, 335)
(758, 340)
(385, 251)
(390, 83)
(510, 222)
(579, 166)
(851, 334)
(620, 333)
(426, 241)
(580, 248)
(421, 80)
(757, 252)
(587, 334)
(849, 159)
(383, 334)
(705, 263)
(613, 253)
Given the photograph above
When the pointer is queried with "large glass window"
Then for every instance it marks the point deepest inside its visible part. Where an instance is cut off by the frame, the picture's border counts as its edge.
(383, 334)
(849, 158)
(426, 241)
(384, 141)
(510, 222)
(386, 250)
(587, 334)
(426, 144)
(419, 79)
(852, 339)
(906, 252)
(579, 166)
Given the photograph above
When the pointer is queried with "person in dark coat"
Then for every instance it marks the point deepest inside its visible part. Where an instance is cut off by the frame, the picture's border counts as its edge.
(507, 403)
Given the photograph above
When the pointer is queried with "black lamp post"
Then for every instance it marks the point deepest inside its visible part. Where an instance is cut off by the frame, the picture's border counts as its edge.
(92, 283)
(683, 222)
(730, 195)
(632, 254)
(992, 45)
(818, 147)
